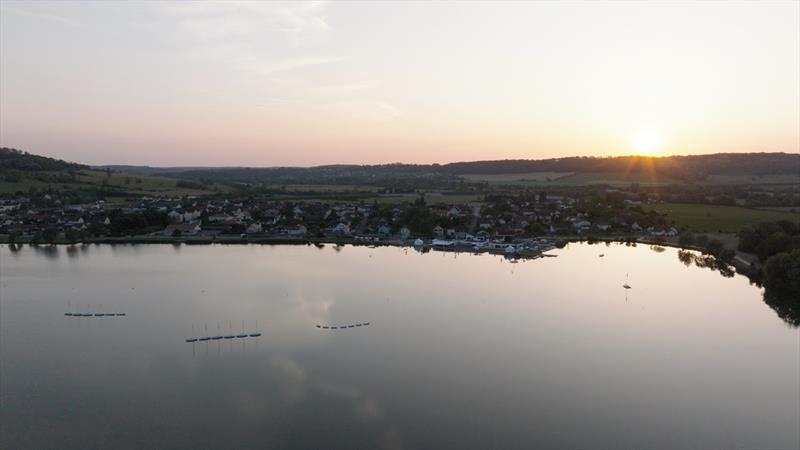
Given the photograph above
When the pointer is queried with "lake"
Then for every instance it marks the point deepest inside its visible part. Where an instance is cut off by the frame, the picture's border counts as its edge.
(461, 350)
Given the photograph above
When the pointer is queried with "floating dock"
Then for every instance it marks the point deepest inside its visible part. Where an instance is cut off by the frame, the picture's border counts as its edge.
(342, 327)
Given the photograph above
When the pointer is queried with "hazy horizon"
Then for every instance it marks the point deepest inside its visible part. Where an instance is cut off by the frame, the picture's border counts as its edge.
(307, 84)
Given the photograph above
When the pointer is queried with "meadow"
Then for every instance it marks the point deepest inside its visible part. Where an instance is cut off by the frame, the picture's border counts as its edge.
(535, 179)
(718, 219)
(96, 179)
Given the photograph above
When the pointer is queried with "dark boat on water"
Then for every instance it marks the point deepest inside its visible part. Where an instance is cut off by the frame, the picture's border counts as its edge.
(255, 334)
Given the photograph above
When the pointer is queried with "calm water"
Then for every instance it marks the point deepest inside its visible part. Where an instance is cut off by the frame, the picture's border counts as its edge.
(462, 351)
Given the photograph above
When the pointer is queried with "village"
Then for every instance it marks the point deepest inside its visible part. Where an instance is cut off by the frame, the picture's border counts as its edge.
(522, 224)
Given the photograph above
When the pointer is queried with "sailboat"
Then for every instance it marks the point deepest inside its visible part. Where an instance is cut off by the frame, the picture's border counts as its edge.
(626, 285)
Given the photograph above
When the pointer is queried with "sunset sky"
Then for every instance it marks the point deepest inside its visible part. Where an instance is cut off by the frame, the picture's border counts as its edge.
(266, 84)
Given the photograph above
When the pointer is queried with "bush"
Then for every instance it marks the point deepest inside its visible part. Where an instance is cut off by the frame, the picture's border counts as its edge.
(782, 272)
(686, 239)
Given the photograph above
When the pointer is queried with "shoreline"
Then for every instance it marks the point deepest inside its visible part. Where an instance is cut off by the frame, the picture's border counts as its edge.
(741, 264)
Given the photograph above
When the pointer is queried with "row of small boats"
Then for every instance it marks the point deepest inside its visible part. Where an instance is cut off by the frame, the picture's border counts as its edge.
(222, 336)
(342, 327)
(69, 314)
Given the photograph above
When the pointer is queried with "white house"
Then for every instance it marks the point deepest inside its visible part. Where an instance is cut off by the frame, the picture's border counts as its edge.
(342, 228)
(185, 229)
(191, 214)
(255, 227)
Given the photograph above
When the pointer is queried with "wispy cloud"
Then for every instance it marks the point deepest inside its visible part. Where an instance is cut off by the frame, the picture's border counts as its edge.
(297, 22)
(39, 14)
(279, 51)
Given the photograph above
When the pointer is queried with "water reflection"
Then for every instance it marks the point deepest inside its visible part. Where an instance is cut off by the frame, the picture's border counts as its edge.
(464, 351)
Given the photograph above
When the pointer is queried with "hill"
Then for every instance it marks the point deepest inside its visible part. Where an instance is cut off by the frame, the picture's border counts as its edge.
(722, 168)
(22, 172)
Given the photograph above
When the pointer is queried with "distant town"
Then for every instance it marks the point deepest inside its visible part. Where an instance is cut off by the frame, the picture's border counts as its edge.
(738, 211)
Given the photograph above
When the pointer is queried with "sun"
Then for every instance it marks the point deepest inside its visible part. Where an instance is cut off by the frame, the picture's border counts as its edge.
(647, 142)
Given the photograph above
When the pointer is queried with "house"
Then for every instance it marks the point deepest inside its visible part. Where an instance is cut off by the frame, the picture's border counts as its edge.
(405, 232)
(175, 216)
(581, 225)
(342, 228)
(254, 227)
(438, 231)
(384, 230)
(182, 229)
(191, 214)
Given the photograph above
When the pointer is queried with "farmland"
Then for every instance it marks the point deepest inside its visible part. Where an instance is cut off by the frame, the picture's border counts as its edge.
(542, 179)
(95, 179)
(718, 219)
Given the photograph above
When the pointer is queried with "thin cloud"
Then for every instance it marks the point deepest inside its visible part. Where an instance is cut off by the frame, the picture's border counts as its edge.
(42, 15)
(298, 22)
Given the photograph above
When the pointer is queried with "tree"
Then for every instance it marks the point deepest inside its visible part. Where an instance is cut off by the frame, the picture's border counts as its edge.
(71, 235)
(49, 235)
(714, 247)
(686, 239)
(782, 272)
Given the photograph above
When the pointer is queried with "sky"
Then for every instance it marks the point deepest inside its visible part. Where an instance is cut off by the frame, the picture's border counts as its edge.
(265, 84)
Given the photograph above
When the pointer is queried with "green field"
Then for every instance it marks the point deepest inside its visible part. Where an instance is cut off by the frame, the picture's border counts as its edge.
(619, 179)
(129, 183)
(752, 179)
(325, 188)
(714, 219)
(430, 198)
(518, 179)
(570, 179)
